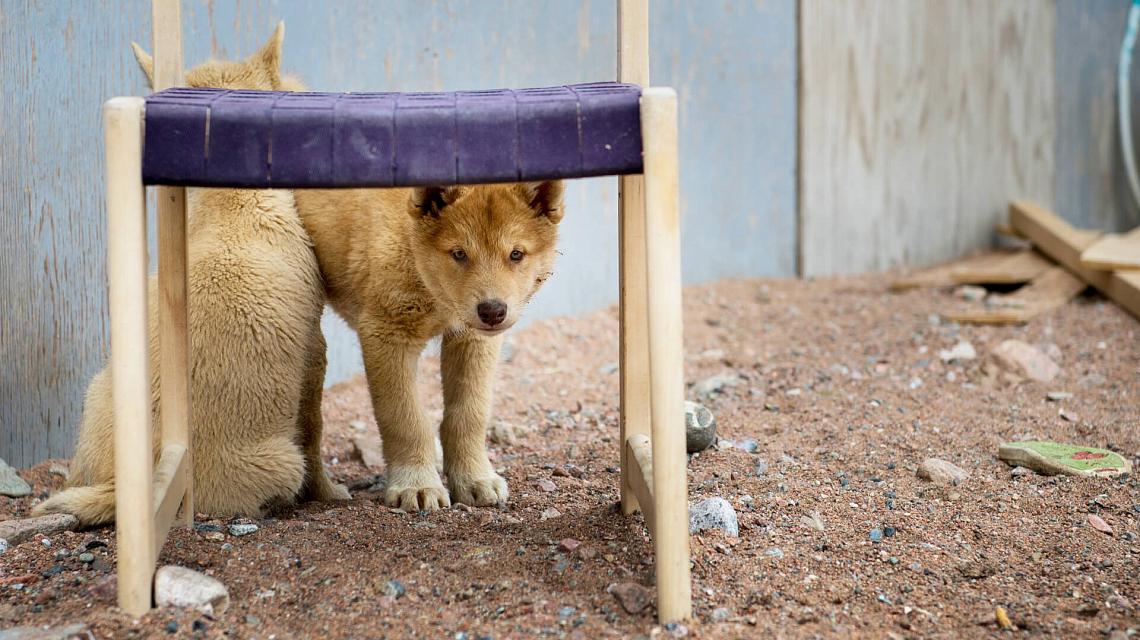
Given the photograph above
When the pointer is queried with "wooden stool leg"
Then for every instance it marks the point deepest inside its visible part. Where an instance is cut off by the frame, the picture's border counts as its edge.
(666, 354)
(174, 337)
(633, 66)
(166, 25)
(130, 351)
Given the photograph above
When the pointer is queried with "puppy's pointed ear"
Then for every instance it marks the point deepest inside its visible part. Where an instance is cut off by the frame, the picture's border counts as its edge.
(268, 57)
(146, 62)
(544, 197)
(428, 202)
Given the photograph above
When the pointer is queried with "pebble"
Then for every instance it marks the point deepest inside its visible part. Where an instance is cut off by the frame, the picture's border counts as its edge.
(242, 529)
(961, 351)
(715, 383)
(508, 351)
(187, 589)
(759, 465)
(568, 545)
(876, 535)
(12, 485)
(393, 588)
(888, 531)
(941, 472)
(721, 613)
(547, 486)
(216, 536)
(86, 557)
(550, 513)
(172, 626)
(774, 552)
(812, 521)
(748, 445)
(633, 597)
(1058, 396)
(566, 612)
(713, 513)
(700, 427)
(3, 545)
(970, 292)
(253, 620)
(1024, 360)
(207, 526)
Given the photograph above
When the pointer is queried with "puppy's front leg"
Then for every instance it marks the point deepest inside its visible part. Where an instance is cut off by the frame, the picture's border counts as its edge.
(390, 362)
(467, 367)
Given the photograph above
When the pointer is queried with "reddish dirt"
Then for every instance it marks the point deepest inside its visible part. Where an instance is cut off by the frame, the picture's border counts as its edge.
(842, 388)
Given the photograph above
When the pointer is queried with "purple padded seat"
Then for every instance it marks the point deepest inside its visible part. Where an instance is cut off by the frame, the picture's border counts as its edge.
(261, 139)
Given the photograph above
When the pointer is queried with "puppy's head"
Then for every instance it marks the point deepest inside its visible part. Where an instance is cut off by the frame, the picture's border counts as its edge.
(260, 71)
(483, 251)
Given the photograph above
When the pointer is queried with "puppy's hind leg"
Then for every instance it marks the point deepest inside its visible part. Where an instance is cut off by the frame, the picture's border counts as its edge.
(317, 485)
(242, 482)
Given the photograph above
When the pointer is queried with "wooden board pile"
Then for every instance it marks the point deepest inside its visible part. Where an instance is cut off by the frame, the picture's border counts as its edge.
(1057, 264)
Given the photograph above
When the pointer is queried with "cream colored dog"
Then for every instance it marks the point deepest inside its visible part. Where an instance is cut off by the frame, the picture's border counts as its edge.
(257, 353)
(405, 265)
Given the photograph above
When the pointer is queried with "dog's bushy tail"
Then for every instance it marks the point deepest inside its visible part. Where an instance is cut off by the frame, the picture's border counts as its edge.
(93, 506)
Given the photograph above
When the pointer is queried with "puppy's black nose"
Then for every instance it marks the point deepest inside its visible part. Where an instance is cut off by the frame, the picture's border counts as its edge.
(492, 312)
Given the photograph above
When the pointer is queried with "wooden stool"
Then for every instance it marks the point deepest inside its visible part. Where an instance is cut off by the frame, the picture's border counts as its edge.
(203, 137)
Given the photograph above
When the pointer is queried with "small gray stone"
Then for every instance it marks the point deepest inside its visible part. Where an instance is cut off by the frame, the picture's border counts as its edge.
(186, 589)
(774, 552)
(393, 588)
(3, 545)
(508, 351)
(700, 427)
(715, 383)
(87, 557)
(941, 472)
(242, 529)
(720, 613)
(1058, 396)
(876, 535)
(760, 466)
(748, 444)
(714, 513)
(12, 485)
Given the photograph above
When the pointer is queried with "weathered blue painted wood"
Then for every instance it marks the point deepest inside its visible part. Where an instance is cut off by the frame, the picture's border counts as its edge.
(734, 65)
(1092, 187)
(57, 67)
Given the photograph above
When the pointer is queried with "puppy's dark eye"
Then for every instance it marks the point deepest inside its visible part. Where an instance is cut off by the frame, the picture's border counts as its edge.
(516, 255)
(460, 255)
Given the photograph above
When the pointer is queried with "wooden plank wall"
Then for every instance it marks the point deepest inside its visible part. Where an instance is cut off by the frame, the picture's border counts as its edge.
(56, 72)
(919, 121)
(1092, 187)
(733, 63)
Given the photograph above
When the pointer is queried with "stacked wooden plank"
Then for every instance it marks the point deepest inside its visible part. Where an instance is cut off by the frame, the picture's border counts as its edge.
(1060, 262)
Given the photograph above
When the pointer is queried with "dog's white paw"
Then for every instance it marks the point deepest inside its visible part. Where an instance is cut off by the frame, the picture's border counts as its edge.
(415, 489)
(478, 489)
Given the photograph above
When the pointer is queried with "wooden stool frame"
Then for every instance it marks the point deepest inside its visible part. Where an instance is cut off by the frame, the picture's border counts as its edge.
(653, 465)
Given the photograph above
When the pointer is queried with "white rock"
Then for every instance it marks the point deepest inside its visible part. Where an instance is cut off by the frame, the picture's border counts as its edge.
(961, 351)
(186, 589)
(714, 513)
(11, 484)
(1020, 358)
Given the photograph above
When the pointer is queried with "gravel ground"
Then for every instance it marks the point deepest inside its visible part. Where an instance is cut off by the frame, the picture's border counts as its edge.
(837, 385)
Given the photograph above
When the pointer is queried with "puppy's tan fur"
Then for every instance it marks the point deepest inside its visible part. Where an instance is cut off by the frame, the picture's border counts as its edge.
(390, 265)
(258, 356)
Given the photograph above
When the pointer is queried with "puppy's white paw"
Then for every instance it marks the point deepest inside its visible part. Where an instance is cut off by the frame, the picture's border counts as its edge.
(478, 489)
(415, 489)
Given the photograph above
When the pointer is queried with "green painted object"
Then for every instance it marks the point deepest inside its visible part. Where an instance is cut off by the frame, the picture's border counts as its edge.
(1051, 458)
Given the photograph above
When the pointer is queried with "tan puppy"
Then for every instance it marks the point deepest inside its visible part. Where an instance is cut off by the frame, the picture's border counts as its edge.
(257, 353)
(405, 265)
